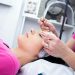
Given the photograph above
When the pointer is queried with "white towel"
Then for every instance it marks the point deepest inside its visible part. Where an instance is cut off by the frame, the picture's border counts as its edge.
(46, 68)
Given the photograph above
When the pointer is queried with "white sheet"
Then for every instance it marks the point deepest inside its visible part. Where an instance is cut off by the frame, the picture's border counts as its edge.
(46, 68)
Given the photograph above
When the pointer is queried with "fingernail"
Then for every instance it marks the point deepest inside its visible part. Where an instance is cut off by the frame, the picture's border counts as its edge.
(42, 19)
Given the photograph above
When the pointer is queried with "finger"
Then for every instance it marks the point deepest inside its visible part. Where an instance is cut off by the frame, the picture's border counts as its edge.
(46, 49)
(41, 34)
(42, 19)
(44, 28)
(41, 23)
(50, 25)
(46, 40)
(46, 45)
(49, 35)
(45, 35)
(47, 23)
(44, 22)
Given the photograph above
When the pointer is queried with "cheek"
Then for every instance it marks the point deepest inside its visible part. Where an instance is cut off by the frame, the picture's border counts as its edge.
(21, 41)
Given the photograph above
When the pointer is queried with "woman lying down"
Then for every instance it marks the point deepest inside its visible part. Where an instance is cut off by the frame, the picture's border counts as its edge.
(28, 49)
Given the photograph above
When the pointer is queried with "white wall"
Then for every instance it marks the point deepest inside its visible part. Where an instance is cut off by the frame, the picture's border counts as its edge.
(8, 21)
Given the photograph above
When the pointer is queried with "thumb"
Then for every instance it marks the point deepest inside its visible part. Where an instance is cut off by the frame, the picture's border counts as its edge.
(48, 35)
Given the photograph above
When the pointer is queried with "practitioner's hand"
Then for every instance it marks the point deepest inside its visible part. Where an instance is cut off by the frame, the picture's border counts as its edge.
(54, 46)
(30, 43)
(46, 26)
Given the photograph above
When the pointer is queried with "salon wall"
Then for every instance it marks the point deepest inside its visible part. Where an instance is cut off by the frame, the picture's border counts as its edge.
(8, 21)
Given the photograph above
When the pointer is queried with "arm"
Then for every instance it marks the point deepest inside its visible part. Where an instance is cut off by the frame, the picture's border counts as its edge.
(70, 59)
(55, 47)
(58, 48)
(71, 42)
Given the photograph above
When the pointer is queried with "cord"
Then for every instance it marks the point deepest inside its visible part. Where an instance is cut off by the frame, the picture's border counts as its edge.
(64, 16)
(46, 3)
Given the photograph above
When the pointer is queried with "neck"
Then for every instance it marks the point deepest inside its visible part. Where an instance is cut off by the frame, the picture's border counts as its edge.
(22, 56)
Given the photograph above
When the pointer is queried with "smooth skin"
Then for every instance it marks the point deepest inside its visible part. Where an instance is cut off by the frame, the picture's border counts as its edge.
(29, 45)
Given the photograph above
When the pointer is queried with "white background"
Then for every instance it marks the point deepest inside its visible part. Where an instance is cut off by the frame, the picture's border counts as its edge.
(8, 21)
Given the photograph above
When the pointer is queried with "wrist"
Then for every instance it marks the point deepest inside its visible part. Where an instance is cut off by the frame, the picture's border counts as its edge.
(67, 55)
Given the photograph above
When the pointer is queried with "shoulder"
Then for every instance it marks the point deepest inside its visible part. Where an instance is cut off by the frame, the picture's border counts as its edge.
(9, 65)
(73, 36)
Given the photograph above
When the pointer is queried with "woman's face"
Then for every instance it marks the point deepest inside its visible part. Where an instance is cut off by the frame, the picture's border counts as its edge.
(30, 42)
